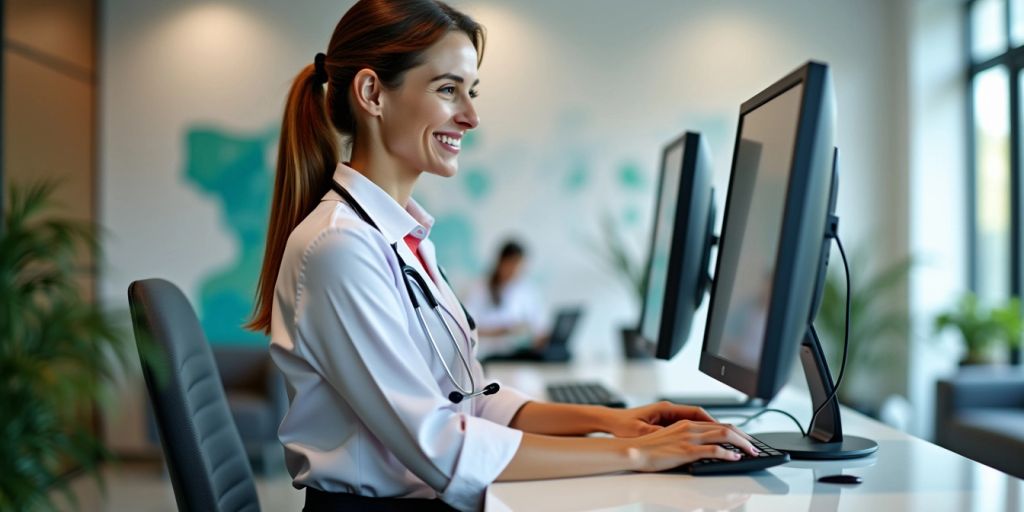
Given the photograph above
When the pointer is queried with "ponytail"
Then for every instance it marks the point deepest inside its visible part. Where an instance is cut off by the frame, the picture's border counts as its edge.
(306, 156)
(387, 36)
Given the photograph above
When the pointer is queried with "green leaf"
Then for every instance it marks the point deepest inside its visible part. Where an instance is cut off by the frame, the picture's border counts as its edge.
(58, 350)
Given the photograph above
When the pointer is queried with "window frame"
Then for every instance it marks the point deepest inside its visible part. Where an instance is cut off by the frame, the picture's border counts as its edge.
(1013, 60)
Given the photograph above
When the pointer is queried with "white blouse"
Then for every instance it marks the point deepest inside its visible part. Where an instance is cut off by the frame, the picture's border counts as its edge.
(369, 412)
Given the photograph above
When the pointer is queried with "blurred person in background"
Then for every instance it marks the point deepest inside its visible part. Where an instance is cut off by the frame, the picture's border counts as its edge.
(510, 316)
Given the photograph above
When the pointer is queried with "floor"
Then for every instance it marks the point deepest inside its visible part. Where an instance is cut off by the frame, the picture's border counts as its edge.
(145, 487)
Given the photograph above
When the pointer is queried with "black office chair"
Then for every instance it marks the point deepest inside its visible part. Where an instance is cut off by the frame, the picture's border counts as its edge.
(207, 463)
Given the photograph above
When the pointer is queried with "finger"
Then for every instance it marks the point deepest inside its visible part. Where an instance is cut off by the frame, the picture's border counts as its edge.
(740, 432)
(725, 434)
(699, 414)
(714, 451)
(647, 428)
(667, 413)
(696, 426)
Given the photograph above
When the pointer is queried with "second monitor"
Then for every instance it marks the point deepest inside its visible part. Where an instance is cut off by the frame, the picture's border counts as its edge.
(677, 275)
(677, 266)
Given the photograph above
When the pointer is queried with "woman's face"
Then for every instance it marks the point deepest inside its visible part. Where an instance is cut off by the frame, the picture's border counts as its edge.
(508, 268)
(424, 119)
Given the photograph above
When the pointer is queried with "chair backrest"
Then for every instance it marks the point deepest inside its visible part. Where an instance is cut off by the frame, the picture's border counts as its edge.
(207, 463)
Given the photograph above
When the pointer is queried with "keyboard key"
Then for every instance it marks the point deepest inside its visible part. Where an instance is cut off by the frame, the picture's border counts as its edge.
(767, 458)
(588, 393)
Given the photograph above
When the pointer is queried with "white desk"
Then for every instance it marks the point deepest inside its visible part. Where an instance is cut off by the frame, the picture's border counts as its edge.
(906, 474)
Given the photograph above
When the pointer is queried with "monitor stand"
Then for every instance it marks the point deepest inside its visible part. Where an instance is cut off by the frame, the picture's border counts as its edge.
(825, 439)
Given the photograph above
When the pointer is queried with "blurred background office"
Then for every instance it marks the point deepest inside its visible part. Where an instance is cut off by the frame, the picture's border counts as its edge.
(160, 121)
(510, 315)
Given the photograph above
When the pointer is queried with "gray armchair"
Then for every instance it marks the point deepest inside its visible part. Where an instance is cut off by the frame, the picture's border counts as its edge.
(204, 455)
(979, 413)
(257, 399)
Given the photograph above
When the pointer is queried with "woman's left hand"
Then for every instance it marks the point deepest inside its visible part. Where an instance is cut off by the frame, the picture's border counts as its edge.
(646, 419)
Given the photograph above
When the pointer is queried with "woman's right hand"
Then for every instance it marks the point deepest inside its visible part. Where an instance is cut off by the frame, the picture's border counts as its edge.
(684, 442)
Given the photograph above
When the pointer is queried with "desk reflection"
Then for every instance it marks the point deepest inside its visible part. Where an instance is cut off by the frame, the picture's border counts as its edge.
(824, 496)
(645, 492)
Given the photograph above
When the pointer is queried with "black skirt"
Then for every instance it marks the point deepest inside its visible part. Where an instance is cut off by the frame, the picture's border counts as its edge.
(320, 501)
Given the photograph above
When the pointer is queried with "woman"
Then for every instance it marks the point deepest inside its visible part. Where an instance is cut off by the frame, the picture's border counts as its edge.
(506, 309)
(381, 414)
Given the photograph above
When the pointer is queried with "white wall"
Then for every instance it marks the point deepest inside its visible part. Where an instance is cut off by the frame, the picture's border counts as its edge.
(938, 198)
(572, 92)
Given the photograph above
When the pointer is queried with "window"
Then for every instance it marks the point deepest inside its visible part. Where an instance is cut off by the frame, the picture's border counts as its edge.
(995, 75)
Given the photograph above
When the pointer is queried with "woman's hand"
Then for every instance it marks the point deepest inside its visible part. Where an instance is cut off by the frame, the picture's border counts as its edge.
(684, 442)
(650, 418)
(649, 438)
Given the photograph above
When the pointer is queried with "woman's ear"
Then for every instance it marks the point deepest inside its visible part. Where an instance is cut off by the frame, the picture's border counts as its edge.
(366, 90)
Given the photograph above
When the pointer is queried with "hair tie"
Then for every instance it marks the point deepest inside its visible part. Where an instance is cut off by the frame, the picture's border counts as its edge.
(320, 68)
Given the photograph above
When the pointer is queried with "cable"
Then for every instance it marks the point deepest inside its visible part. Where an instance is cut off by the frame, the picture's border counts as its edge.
(846, 337)
(842, 367)
(752, 417)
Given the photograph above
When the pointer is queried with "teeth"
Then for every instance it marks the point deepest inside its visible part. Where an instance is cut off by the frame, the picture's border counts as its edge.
(449, 140)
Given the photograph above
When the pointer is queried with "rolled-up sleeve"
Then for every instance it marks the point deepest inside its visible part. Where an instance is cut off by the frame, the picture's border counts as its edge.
(354, 330)
(500, 407)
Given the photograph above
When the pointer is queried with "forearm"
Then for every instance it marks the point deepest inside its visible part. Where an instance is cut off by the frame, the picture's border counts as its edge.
(561, 419)
(540, 457)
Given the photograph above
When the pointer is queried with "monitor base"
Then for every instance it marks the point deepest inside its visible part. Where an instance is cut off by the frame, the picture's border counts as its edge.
(800, 447)
(715, 402)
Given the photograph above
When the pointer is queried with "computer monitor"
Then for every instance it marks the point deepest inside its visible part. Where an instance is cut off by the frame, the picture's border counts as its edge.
(778, 224)
(677, 267)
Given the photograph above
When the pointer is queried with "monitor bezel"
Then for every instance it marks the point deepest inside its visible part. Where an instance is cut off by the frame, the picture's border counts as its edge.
(686, 228)
(780, 343)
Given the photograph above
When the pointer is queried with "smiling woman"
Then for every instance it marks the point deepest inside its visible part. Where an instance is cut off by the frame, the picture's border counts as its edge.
(388, 406)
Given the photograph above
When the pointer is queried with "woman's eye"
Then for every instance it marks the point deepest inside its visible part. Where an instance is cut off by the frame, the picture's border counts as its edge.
(448, 89)
(473, 94)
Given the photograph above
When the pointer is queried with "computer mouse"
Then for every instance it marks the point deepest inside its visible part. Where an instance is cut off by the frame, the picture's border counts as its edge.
(841, 479)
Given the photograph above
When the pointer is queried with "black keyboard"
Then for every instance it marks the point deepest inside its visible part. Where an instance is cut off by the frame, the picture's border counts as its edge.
(767, 458)
(588, 393)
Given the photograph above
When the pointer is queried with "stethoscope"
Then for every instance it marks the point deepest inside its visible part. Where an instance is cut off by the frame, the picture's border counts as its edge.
(413, 277)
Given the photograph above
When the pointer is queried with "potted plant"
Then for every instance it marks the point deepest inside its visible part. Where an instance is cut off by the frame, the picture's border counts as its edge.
(57, 350)
(983, 331)
(1011, 327)
(615, 255)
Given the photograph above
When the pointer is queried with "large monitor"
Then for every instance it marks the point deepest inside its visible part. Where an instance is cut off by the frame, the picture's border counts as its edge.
(680, 250)
(779, 220)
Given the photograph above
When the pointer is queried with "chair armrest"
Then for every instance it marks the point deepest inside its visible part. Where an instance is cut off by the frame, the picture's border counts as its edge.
(976, 389)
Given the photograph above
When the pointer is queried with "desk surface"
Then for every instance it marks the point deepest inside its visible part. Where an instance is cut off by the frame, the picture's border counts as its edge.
(906, 474)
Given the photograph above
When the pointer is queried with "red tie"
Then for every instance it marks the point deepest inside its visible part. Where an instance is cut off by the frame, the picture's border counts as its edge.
(414, 246)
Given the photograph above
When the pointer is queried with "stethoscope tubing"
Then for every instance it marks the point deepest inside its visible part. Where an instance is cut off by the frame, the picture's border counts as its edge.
(437, 350)
(410, 272)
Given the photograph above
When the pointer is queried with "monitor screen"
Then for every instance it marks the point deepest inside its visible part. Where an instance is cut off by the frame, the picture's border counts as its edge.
(661, 246)
(750, 245)
(773, 234)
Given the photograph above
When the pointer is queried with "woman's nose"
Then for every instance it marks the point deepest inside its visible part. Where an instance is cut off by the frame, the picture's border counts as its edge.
(467, 116)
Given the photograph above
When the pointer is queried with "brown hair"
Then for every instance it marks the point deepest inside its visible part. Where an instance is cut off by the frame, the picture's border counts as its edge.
(509, 250)
(386, 36)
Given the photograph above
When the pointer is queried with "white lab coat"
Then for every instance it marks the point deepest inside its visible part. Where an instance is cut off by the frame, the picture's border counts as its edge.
(369, 412)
